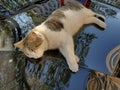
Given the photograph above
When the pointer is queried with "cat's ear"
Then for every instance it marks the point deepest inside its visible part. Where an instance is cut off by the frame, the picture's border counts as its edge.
(19, 44)
(33, 33)
(37, 39)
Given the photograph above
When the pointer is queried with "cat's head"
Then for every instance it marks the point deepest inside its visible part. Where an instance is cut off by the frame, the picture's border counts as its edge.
(33, 45)
(94, 18)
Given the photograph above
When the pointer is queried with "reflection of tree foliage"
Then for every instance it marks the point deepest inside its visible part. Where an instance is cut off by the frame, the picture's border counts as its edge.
(12, 7)
(4, 25)
(16, 4)
(36, 17)
(115, 3)
(102, 9)
(6, 32)
(4, 12)
(9, 32)
(82, 45)
(50, 74)
(20, 72)
(57, 75)
(25, 22)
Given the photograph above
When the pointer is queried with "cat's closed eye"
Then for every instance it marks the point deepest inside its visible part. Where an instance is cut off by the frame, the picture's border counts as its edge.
(30, 49)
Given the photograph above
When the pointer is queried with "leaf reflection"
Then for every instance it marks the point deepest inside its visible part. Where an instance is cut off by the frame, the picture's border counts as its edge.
(82, 45)
(51, 73)
(102, 9)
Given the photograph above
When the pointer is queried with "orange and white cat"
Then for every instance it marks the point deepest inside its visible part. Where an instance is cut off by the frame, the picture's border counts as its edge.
(57, 32)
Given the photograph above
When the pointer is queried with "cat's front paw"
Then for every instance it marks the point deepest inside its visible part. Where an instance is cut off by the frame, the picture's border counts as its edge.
(74, 67)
